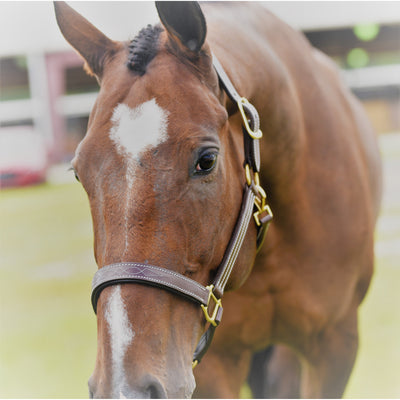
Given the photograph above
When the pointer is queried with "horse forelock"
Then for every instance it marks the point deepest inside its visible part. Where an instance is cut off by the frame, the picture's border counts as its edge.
(143, 48)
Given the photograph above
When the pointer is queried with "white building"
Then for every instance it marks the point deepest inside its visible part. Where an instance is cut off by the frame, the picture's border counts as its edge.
(42, 83)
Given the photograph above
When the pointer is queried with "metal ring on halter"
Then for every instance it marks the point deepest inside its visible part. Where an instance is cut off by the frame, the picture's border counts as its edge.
(245, 106)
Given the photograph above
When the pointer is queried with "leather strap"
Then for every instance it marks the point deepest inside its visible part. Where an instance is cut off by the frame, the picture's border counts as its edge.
(203, 345)
(251, 146)
(142, 273)
(235, 244)
(226, 83)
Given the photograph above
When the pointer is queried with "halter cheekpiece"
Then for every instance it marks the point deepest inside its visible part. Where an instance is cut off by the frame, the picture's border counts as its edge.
(253, 205)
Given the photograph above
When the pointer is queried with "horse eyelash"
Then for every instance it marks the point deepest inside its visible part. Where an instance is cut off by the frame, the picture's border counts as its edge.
(71, 168)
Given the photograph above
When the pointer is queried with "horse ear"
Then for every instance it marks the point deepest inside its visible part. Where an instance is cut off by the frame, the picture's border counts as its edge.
(185, 21)
(86, 39)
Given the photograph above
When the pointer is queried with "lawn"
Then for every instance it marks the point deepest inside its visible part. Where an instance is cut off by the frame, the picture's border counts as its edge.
(377, 370)
(47, 326)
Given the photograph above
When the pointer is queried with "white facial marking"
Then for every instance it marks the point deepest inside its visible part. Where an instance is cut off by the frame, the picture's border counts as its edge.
(139, 129)
(134, 132)
(121, 336)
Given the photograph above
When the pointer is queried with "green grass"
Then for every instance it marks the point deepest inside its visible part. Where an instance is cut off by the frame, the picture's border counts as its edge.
(377, 369)
(47, 326)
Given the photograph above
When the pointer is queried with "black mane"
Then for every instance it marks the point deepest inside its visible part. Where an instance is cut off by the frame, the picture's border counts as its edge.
(143, 48)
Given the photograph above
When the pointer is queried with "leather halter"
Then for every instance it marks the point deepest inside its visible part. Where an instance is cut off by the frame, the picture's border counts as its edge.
(253, 204)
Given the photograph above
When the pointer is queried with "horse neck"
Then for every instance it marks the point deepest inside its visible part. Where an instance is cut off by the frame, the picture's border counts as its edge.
(272, 91)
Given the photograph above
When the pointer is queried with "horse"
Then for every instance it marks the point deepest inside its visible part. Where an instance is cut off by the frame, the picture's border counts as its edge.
(215, 105)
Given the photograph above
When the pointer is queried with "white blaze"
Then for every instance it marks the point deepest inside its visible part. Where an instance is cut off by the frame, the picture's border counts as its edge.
(134, 132)
(121, 336)
(137, 130)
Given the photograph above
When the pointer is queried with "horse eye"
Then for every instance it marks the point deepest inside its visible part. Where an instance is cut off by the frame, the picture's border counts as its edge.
(206, 162)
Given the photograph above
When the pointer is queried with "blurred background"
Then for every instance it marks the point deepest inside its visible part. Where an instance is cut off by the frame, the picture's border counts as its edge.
(47, 326)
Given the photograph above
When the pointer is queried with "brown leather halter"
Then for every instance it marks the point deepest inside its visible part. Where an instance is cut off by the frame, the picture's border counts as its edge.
(253, 204)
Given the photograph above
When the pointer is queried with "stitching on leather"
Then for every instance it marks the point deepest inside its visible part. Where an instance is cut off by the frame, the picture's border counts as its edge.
(152, 267)
(156, 278)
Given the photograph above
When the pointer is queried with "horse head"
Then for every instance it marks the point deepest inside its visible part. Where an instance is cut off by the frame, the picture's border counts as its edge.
(162, 165)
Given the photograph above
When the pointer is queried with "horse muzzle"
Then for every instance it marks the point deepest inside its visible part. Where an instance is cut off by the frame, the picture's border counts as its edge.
(139, 354)
(147, 387)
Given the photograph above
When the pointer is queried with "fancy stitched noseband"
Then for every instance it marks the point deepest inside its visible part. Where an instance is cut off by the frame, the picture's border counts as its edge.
(253, 204)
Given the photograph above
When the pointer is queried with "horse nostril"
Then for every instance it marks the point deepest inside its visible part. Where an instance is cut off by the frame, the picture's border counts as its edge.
(155, 389)
(155, 393)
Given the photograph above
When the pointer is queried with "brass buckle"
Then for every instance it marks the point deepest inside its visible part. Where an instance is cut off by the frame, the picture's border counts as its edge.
(261, 201)
(261, 204)
(265, 209)
(218, 305)
(254, 135)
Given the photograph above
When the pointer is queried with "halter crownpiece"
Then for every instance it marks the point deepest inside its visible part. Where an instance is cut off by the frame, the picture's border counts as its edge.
(253, 205)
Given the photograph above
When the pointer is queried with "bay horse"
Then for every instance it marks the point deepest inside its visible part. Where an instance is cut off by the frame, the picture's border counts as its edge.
(171, 157)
